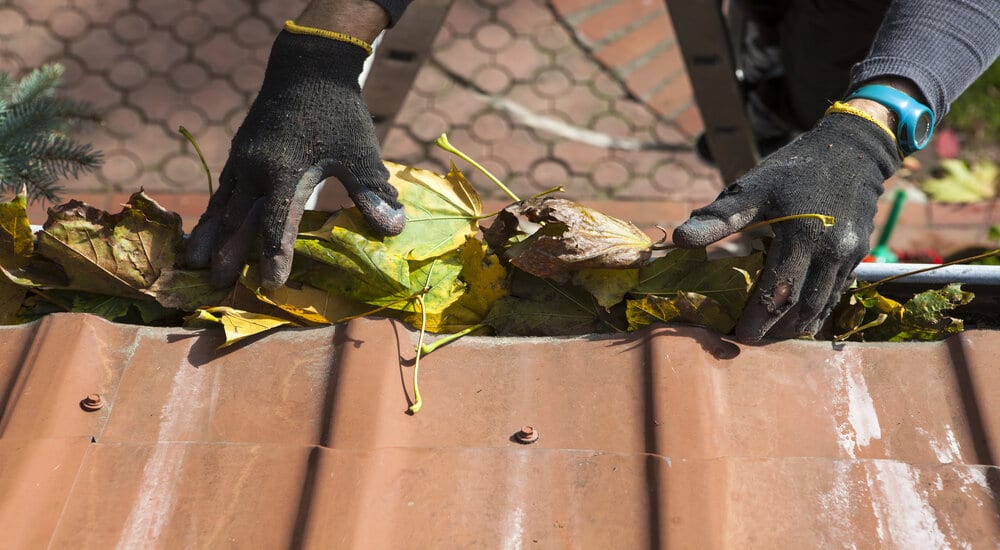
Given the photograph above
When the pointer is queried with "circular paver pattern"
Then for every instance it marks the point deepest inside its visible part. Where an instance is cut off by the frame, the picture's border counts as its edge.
(66, 23)
(12, 21)
(528, 98)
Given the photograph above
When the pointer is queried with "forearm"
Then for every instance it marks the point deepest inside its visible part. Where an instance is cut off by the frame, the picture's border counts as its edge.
(938, 47)
(362, 19)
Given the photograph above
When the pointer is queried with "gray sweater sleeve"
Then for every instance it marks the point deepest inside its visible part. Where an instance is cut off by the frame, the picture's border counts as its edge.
(395, 8)
(941, 45)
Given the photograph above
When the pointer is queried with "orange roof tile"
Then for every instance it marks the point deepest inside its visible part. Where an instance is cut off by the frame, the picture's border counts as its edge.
(669, 436)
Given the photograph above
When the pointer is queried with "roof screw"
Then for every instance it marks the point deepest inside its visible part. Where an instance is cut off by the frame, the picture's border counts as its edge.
(526, 435)
(92, 402)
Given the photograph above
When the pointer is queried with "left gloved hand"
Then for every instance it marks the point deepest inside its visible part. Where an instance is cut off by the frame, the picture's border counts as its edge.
(308, 122)
(837, 169)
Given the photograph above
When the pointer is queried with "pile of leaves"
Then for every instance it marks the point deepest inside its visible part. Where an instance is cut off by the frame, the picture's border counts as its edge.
(544, 266)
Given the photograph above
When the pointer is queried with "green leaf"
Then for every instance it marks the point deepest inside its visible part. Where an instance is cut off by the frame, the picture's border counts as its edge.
(441, 213)
(648, 310)
(726, 281)
(109, 307)
(365, 270)
(187, 290)
(17, 242)
(962, 183)
(609, 286)
(688, 307)
(923, 317)
(11, 298)
(112, 308)
(539, 307)
(351, 265)
(485, 280)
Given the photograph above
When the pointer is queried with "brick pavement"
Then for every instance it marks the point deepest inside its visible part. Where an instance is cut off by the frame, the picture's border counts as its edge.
(590, 94)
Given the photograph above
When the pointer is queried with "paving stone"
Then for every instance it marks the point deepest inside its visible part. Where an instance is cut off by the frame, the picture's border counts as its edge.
(160, 50)
(12, 21)
(568, 8)
(223, 55)
(96, 91)
(225, 13)
(254, 31)
(652, 73)
(522, 60)
(192, 28)
(280, 10)
(98, 48)
(128, 73)
(674, 97)
(525, 15)
(104, 11)
(123, 120)
(182, 169)
(66, 22)
(689, 121)
(37, 46)
(464, 17)
(214, 141)
(120, 167)
(491, 128)
(164, 12)
(632, 46)
(131, 27)
(616, 19)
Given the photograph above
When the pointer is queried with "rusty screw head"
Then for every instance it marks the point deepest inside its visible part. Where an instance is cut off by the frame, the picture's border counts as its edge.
(526, 435)
(92, 402)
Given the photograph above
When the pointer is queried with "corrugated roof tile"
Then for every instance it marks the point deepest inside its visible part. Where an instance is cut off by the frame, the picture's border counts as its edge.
(668, 436)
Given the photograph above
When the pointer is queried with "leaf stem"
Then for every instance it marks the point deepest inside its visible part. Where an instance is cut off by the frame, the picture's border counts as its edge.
(418, 402)
(429, 348)
(556, 189)
(984, 255)
(208, 173)
(878, 321)
(826, 220)
(443, 143)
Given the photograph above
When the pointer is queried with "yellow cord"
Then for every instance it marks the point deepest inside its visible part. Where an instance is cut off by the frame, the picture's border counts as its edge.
(294, 28)
(839, 107)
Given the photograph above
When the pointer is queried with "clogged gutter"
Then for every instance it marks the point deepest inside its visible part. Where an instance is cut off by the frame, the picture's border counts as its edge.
(548, 266)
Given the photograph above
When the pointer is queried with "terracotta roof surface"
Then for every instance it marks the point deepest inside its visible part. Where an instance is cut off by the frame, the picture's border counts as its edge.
(669, 436)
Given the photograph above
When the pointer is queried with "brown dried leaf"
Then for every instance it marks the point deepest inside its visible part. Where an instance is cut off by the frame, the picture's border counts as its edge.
(571, 237)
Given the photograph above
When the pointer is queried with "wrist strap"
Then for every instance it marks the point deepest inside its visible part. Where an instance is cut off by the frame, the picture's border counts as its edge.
(839, 107)
(294, 28)
(843, 108)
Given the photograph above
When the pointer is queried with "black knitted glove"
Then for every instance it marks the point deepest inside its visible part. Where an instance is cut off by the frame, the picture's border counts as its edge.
(837, 168)
(308, 122)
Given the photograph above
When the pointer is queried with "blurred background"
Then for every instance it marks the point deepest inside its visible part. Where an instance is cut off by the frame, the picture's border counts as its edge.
(596, 103)
(589, 94)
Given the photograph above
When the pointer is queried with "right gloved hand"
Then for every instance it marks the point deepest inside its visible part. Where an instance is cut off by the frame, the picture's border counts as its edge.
(837, 169)
(307, 123)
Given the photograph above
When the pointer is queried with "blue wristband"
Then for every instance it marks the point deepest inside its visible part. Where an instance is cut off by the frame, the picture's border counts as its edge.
(916, 120)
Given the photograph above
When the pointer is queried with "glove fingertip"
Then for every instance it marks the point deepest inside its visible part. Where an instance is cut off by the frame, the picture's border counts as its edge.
(274, 272)
(387, 218)
(700, 231)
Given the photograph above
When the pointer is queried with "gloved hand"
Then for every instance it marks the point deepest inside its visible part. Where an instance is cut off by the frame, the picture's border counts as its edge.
(837, 168)
(308, 122)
